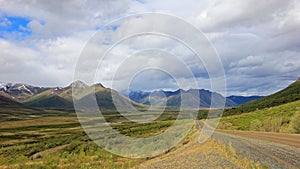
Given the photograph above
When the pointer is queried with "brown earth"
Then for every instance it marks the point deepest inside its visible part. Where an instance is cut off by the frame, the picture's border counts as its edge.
(286, 139)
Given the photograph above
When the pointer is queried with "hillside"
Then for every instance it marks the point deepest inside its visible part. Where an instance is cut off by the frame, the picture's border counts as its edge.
(6, 99)
(284, 118)
(243, 99)
(62, 97)
(287, 95)
(197, 97)
(21, 92)
(105, 100)
(52, 98)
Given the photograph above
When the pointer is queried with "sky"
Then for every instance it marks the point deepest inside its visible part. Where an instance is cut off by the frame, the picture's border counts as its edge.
(257, 42)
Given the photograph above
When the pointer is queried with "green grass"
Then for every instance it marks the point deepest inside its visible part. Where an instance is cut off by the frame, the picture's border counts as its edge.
(40, 142)
(40, 127)
(143, 130)
(276, 119)
(71, 151)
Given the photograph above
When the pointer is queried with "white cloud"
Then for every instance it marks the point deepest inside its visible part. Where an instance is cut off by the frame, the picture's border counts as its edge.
(257, 40)
(4, 22)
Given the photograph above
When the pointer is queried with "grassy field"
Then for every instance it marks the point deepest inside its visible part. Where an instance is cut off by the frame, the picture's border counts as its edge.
(284, 118)
(31, 138)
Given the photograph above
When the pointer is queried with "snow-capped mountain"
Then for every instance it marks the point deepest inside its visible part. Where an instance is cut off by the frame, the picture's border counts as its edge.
(5, 86)
(20, 91)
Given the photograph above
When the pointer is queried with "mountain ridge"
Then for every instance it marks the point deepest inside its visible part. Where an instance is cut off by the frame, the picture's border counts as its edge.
(63, 97)
(289, 94)
(243, 99)
(197, 98)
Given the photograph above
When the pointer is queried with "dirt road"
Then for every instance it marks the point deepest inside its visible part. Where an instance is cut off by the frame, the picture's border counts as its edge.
(210, 154)
(286, 139)
(261, 149)
(270, 150)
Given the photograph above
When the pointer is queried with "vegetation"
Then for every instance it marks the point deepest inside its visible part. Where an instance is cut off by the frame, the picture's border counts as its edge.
(55, 139)
(287, 95)
(34, 138)
(284, 118)
(202, 114)
(296, 122)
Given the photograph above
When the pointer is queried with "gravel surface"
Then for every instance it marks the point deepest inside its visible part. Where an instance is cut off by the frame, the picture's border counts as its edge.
(281, 138)
(269, 154)
(211, 154)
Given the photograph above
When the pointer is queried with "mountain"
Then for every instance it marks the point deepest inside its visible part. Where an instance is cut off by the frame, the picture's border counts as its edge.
(287, 95)
(196, 98)
(57, 97)
(6, 99)
(63, 98)
(243, 99)
(106, 98)
(19, 91)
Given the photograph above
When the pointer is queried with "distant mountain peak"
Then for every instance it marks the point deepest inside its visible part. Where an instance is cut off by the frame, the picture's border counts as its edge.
(197, 97)
(243, 99)
(20, 91)
(78, 83)
(100, 85)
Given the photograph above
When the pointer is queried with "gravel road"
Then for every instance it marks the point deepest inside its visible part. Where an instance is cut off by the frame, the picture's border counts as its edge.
(269, 154)
(286, 139)
(211, 154)
(208, 155)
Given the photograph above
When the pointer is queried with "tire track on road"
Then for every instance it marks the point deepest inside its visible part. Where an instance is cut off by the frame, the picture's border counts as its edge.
(266, 153)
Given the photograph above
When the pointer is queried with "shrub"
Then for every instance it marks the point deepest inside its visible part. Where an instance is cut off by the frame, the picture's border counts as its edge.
(256, 125)
(272, 124)
(296, 123)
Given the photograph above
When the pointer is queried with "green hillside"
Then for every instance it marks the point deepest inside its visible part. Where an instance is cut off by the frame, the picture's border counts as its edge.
(284, 118)
(287, 95)
(51, 98)
(105, 100)
(62, 97)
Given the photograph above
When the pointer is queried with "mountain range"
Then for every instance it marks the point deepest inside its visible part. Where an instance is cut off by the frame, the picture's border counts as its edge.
(58, 97)
(20, 92)
(61, 97)
(173, 98)
(243, 99)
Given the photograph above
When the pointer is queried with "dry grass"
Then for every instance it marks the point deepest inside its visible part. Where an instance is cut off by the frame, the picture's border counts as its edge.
(195, 155)
(40, 121)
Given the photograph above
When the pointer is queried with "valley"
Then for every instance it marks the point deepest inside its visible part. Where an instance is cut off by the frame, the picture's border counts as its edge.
(43, 130)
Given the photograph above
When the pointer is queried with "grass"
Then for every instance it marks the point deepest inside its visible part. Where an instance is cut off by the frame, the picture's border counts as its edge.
(143, 130)
(42, 150)
(55, 139)
(275, 119)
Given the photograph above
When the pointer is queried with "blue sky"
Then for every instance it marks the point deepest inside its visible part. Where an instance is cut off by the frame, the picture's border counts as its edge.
(258, 45)
(11, 24)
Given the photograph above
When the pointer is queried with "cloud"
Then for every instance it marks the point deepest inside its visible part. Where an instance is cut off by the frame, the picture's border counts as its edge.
(4, 22)
(256, 40)
(65, 17)
(50, 63)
